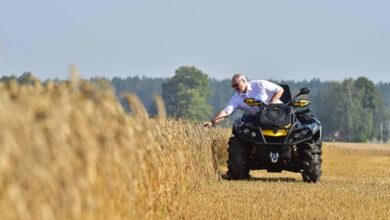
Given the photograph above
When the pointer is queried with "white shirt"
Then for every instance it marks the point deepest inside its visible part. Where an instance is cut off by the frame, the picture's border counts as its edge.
(262, 90)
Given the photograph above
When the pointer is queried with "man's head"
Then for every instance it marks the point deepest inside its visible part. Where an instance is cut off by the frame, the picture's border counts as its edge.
(239, 82)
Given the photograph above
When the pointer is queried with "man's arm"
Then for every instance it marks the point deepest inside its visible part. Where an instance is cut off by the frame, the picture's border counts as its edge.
(276, 97)
(272, 88)
(229, 109)
(217, 118)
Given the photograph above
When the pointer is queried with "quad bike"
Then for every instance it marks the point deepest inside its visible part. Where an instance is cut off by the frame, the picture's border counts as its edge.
(279, 137)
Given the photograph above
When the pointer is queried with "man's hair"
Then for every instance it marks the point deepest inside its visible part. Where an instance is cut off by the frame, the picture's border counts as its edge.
(238, 76)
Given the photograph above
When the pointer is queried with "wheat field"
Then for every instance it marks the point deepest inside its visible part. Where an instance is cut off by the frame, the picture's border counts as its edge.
(70, 151)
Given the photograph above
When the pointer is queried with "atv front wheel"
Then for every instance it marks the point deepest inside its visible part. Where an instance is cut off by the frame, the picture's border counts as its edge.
(311, 160)
(237, 160)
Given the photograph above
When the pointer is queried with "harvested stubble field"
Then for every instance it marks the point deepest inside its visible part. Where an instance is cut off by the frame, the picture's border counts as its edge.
(355, 185)
(69, 151)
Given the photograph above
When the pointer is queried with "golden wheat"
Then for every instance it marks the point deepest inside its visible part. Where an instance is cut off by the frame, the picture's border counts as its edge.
(69, 151)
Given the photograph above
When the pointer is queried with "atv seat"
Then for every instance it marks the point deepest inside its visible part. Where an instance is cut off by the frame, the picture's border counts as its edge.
(286, 96)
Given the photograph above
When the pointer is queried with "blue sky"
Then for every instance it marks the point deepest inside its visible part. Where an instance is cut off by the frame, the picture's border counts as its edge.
(299, 39)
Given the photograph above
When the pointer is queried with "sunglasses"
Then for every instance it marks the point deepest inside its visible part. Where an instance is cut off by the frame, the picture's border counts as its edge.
(234, 86)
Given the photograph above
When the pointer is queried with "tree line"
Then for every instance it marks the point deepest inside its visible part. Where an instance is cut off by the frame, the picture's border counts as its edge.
(350, 110)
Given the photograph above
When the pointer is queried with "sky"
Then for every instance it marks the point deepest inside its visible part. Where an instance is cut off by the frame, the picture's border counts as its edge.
(263, 39)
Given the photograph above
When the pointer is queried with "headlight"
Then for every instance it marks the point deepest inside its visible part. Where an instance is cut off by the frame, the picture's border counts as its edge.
(299, 134)
(248, 132)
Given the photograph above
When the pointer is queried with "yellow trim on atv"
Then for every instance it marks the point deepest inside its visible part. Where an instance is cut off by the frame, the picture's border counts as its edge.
(275, 133)
(301, 103)
(252, 102)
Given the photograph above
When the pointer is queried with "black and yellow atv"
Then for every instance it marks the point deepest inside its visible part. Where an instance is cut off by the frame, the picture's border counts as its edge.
(279, 137)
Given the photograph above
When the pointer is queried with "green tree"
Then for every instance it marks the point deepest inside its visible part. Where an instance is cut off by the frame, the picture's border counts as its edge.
(384, 89)
(185, 94)
(146, 89)
(353, 110)
(372, 107)
(27, 78)
(333, 110)
(8, 78)
(221, 92)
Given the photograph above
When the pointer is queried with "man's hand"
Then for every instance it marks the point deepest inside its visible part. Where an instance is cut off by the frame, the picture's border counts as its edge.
(219, 117)
(208, 124)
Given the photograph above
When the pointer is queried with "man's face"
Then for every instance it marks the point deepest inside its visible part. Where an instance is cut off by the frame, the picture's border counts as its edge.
(239, 84)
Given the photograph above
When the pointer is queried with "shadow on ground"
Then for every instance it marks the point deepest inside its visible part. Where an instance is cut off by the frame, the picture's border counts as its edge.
(267, 179)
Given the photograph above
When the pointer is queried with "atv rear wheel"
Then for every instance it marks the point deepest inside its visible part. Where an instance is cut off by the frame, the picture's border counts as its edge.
(311, 160)
(237, 160)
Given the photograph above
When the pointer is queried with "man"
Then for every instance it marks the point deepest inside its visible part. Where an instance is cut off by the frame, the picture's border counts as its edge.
(262, 90)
